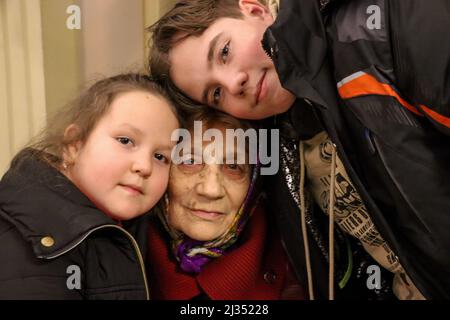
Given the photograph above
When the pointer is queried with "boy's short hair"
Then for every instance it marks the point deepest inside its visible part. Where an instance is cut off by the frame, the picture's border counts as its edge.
(187, 18)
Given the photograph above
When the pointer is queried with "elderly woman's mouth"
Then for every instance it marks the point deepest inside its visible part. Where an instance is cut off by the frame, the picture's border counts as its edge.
(207, 215)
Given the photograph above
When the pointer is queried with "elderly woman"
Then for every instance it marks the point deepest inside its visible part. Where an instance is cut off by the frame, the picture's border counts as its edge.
(211, 238)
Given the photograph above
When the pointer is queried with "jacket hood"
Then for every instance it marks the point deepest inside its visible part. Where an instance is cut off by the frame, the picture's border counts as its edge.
(41, 202)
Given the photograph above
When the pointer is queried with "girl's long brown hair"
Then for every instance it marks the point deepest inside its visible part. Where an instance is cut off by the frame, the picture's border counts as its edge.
(85, 112)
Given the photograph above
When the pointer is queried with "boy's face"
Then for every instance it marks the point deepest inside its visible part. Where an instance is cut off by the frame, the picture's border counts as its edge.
(227, 68)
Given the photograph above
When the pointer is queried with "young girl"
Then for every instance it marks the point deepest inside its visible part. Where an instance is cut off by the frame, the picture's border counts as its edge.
(105, 159)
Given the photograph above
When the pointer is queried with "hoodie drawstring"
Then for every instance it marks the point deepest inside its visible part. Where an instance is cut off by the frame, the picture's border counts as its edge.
(331, 224)
(331, 205)
(303, 220)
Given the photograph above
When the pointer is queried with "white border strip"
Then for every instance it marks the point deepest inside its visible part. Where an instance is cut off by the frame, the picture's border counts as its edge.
(350, 78)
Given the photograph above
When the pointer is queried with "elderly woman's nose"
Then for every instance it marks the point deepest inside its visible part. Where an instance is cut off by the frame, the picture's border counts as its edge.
(211, 183)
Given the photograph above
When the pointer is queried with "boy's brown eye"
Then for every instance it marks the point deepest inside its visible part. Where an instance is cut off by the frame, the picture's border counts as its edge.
(225, 51)
(216, 95)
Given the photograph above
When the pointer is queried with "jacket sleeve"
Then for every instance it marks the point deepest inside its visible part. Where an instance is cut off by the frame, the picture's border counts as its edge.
(420, 36)
(25, 277)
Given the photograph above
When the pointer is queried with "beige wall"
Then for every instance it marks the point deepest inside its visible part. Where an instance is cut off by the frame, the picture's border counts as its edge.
(43, 64)
(62, 54)
(122, 46)
(113, 37)
(22, 86)
(153, 9)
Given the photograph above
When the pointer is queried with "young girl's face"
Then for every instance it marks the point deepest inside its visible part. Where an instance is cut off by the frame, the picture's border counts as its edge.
(123, 167)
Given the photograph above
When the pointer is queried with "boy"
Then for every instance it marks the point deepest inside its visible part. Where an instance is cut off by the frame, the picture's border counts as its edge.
(351, 77)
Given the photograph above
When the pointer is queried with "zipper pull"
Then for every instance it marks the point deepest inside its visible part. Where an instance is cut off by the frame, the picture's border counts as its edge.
(269, 44)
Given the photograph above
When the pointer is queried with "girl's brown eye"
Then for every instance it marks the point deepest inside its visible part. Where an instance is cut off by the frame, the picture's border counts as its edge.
(161, 158)
(124, 140)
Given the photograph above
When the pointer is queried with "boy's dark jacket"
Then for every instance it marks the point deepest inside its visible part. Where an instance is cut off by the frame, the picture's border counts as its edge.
(37, 202)
(378, 75)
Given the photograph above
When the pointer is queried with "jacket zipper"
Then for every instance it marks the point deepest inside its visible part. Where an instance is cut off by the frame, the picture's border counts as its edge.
(127, 234)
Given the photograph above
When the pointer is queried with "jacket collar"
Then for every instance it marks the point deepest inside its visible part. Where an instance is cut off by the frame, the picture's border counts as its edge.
(46, 208)
(300, 122)
(298, 28)
(274, 6)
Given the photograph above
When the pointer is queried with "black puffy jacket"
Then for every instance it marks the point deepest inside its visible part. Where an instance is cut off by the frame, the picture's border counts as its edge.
(377, 73)
(55, 244)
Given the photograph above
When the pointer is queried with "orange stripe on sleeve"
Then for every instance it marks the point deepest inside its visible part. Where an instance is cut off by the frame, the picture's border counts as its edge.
(368, 85)
(436, 116)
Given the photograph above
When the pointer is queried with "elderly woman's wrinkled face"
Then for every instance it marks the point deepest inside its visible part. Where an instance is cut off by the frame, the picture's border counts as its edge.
(204, 198)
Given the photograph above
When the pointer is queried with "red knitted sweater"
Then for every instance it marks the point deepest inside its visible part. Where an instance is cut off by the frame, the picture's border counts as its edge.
(255, 269)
